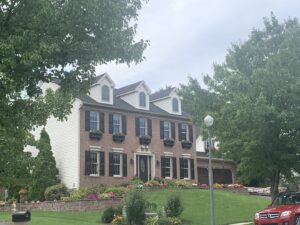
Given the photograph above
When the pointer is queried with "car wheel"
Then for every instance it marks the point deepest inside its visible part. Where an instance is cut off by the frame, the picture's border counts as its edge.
(297, 220)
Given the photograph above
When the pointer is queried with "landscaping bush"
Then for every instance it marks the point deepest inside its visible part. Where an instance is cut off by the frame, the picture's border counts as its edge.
(151, 220)
(91, 193)
(169, 221)
(135, 207)
(169, 182)
(119, 191)
(136, 181)
(108, 215)
(182, 183)
(173, 206)
(56, 192)
(119, 220)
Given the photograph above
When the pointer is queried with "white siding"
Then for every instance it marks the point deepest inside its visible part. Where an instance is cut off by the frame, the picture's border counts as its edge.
(133, 98)
(96, 93)
(64, 137)
(166, 103)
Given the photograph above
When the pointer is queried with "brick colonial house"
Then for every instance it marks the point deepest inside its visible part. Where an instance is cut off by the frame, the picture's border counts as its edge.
(113, 135)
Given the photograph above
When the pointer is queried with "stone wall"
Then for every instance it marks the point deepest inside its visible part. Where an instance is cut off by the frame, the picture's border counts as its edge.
(64, 206)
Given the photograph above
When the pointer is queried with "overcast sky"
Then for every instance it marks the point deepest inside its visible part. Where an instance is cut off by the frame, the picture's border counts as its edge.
(188, 36)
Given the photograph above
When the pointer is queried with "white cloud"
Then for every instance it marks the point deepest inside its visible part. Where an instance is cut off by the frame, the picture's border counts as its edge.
(188, 36)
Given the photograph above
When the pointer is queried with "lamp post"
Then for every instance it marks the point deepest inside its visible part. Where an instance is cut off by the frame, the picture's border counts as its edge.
(208, 120)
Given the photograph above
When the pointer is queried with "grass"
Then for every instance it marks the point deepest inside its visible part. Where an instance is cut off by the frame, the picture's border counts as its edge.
(229, 208)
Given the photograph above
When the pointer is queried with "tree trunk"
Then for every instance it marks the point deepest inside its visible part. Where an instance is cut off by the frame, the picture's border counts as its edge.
(274, 184)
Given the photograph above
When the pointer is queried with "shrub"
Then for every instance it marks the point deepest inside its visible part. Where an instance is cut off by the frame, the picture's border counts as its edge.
(170, 183)
(119, 220)
(169, 221)
(174, 206)
(56, 192)
(163, 221)
(151, 220)
(108, 215)
(182, 183)
(135, 207)
(136, 181)
(119, 191)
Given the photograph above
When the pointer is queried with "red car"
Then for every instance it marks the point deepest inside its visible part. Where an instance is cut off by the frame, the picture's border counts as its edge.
(284, 210)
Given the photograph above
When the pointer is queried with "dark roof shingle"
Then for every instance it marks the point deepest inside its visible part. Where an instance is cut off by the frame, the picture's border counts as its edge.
(128, 88)
(161, 94)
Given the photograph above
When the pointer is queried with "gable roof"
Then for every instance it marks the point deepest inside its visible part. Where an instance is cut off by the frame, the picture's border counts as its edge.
(119, 104)
(102, 76)
(128, 88)
(161, 94)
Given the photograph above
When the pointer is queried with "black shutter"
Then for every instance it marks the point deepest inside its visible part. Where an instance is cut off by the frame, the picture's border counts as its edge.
(111, 164)
(161, 129)
(174, 168)
(180, 132)
(110, 123)
(163, 165)
(149, 124)
(124, 165)
(192, 169)
(181, 168)
(124, 125)
(102, 164)
(101, 121)
(87, 163)
(137, 126)
(87, 120)
(191, 133)
(173, 131)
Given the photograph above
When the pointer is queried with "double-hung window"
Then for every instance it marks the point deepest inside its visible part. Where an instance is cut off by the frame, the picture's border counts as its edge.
(143, 126)
(94, 120)
(117, 164)
(168, 167)
(184, 132)
(187, 168)
(117, 123)
(94, 163)
(167, 129)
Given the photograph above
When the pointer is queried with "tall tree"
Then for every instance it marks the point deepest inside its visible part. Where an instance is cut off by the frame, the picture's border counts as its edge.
(44, 172)
(43, 40)
(257, 107)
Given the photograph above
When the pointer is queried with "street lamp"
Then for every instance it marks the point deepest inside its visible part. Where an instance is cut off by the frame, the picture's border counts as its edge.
(208, 120)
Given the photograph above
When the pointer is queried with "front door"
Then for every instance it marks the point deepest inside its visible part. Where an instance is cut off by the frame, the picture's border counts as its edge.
(144, 167)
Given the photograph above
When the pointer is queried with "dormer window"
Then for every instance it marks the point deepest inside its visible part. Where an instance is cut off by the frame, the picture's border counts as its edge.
(142, 99)
(105, 93)
(175, 105)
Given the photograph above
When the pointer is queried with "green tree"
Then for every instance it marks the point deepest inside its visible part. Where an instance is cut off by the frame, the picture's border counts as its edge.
(257, 105)
(44, 40)
(44, 172)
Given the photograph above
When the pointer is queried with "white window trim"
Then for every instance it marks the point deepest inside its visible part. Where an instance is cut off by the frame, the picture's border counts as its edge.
(97, 120)
(98, 163)
(146, 125)
(187, 132)
(120, 126)
(121, 166)
(189, 169)
(170, 130)
(171, 168)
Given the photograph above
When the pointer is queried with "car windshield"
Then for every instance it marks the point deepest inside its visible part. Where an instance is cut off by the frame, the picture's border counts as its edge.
(287, 199)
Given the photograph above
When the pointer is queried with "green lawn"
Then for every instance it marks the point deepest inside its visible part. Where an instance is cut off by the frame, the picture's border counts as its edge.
(229, 208)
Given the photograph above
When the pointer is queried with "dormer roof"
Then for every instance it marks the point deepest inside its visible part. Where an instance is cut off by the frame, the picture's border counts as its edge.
(165, 93)
(131, 88)
(101, 77)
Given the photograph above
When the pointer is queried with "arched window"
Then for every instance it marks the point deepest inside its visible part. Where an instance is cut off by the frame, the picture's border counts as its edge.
(142, 99)
(105, 93)
(175, 104)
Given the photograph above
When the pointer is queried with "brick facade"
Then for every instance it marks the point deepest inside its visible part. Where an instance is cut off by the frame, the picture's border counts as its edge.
(131, 145)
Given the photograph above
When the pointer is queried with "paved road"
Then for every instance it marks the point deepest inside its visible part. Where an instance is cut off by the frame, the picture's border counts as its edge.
(241, 223)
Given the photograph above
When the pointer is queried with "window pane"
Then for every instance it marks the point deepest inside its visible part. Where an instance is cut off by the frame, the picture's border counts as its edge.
(168, 167)
(186, 168)
(105, 93)
(143, 127)
(116, 123)
(184, 132)
(142, 99)
(117, 163)
(93, 120)
(166, 129)
(175, 105)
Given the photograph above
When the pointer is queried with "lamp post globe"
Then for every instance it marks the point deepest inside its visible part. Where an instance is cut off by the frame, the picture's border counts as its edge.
(209, 121)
